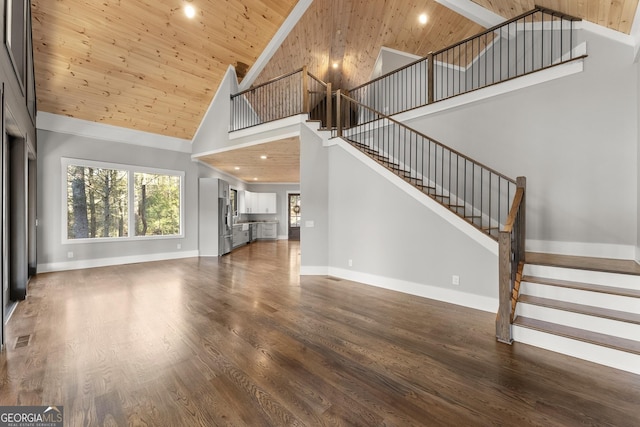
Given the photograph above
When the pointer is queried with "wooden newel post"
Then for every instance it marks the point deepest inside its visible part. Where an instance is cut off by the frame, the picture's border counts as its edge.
(430, 76)
(339, 112)
(306, 108)
(503, 318)
(521, 182)
(329, 107)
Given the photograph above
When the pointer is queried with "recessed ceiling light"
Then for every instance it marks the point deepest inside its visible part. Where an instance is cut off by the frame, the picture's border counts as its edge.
(190, 11)
(263, 157)
(335, 65)
(422, 18)
(237, 168)
(255, 179)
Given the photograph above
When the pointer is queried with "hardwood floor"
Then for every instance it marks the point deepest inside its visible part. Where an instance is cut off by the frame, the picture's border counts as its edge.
(243, 340)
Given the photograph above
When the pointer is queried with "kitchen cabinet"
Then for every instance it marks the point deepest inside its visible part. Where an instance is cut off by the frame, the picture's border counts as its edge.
(266, 203)
(268, 230)
(240, 236)
(258, 203)
(247, 206)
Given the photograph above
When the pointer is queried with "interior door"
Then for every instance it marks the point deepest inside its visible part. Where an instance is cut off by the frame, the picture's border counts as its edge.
(294, 216)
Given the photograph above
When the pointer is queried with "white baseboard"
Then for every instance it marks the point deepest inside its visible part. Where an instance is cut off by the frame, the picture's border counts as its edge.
(452, 296)
(595, 250)
(104, 262)
(312, 270)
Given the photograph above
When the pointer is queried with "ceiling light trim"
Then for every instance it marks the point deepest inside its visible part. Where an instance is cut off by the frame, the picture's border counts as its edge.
(85, 128)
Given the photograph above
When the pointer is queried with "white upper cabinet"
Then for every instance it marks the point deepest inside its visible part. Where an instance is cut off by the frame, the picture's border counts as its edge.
(266, 203)
(257, 203)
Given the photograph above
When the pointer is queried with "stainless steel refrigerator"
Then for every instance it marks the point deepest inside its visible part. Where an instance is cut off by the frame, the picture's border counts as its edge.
(225, 226)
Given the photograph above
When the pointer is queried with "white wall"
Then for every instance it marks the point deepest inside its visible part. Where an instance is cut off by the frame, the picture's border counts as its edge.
(52, 253)
(314, 188)
(213, 132)
(392, 237)
(576, 141)
(637, 66)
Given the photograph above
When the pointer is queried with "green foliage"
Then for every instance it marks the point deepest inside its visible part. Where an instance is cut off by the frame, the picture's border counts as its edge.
(157, 204)
(98, 203)
(104, 202)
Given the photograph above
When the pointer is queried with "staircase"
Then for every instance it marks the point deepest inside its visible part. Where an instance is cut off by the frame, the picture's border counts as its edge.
(584, 308)
(450, 201)
(581, 307)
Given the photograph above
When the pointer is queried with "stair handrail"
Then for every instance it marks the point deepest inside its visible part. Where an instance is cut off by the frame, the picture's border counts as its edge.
(511, 258)
(489, 220)
(423, 92)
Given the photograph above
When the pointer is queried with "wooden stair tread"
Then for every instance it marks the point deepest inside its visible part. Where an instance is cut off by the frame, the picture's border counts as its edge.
(633, 293)
(589, 310)
(607, 265)
(604, 340)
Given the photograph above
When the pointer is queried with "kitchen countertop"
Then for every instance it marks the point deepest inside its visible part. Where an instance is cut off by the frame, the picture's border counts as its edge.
(237, 224)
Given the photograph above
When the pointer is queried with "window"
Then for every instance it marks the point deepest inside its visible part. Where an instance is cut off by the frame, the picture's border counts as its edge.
(107, 201)
(157, 204)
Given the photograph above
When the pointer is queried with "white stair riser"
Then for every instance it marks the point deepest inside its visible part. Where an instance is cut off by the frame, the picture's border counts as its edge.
(629, 362)
(578, 296)
(627, 281)
(601, 325)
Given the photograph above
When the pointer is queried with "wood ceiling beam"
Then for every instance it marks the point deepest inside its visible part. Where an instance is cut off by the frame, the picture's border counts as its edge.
(473, 12)
(282, 33)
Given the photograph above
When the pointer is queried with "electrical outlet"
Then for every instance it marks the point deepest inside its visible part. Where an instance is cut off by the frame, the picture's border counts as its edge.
(69, 254)
(179, 246)
(455, 280)
(350, 263)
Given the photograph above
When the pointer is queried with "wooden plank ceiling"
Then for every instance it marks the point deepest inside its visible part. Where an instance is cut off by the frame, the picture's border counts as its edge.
(614, 14)
(143, 65)
(277, 161)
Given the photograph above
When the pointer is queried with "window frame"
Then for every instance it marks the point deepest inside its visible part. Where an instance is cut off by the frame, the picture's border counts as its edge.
(131, 170)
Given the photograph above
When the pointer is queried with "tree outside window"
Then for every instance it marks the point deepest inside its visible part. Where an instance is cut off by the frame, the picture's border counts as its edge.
(157, 204)
(97, 202)
(101, 202)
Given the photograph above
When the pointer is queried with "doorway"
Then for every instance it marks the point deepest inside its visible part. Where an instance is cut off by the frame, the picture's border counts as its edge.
(18, 212)
(294, 216)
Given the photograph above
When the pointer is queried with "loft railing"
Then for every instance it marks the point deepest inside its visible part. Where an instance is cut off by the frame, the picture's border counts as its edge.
(298, 92)
(510, 263)
(320, 101)
(533, 41)
(276, 99)
(473, 191)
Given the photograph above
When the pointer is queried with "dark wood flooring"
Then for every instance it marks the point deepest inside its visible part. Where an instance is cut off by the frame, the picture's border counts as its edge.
(244, 341)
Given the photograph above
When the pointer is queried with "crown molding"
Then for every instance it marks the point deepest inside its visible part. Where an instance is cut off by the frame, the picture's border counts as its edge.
(72, 126)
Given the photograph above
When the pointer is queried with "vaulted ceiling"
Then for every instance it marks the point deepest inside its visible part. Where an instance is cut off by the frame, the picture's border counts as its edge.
(144, 65)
